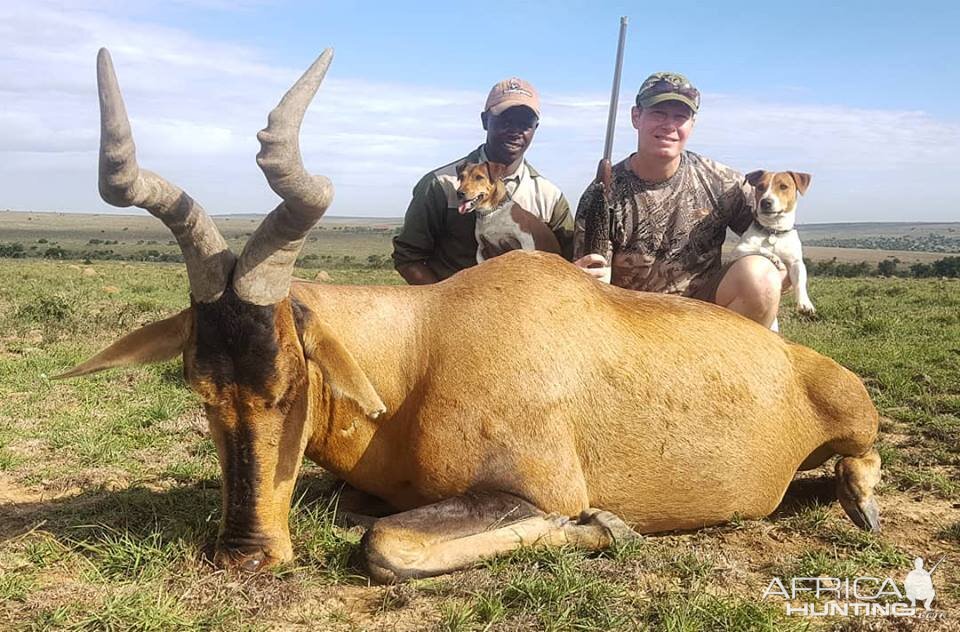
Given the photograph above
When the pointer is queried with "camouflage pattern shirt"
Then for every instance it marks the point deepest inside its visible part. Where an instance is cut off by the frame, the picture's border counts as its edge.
(666, 236)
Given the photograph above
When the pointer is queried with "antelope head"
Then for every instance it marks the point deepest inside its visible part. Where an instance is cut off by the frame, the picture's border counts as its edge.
(246, 350)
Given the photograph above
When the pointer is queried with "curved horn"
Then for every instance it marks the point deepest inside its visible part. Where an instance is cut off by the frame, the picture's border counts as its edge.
(266, 265)
(123, 183)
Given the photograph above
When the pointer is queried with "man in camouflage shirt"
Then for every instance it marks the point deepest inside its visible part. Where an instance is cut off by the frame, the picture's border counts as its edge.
(436, 241)
(670, 212)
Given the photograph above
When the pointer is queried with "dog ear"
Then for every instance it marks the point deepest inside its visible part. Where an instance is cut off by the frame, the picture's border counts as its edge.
(495, 170)
(802, 180)
(462, 167)
(754, 177)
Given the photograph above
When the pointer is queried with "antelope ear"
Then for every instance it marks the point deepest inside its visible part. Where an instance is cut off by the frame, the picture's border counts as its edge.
(754, 177)
(802, 180)
(340, 370)
(151, 343)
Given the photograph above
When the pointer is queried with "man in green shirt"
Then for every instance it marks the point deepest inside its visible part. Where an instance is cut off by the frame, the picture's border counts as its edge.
(436, 241)
(671, 210)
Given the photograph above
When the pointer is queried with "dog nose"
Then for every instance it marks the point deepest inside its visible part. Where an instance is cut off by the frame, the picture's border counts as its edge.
(766, 204)
(460, 195)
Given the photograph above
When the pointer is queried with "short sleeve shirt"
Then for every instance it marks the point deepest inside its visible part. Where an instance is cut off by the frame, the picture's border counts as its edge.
(666, 236)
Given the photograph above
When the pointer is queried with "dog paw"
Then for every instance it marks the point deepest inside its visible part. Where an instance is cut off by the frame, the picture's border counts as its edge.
(806, 308)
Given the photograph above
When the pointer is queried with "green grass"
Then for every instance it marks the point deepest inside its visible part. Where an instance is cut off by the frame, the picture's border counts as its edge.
(120, 492)
(563, 589)
(323, 546)
(903, 338)
(951, 533)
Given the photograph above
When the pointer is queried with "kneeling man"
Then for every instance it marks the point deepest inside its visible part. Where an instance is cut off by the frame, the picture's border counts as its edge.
(671, 209)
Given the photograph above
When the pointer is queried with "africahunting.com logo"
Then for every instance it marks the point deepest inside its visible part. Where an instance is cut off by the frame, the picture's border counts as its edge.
(859, 596)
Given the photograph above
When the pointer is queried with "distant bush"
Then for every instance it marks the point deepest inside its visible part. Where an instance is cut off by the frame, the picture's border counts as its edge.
(948, 267)
(13, 251)
(835, 268)
(887, 267)
(925, 243)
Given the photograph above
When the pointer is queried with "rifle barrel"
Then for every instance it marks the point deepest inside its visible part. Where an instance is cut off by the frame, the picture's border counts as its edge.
(615, 92)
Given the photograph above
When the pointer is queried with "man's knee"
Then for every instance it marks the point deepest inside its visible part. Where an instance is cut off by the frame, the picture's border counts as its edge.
(755, 281)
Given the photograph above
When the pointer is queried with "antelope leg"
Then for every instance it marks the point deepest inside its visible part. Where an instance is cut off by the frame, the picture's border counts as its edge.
(461, 531)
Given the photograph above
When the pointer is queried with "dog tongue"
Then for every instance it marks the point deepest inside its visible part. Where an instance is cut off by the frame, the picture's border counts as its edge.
(463, 208)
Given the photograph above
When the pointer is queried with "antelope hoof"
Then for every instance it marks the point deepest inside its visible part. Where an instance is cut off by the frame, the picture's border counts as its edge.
(249, 562)
(865, 514)
(250, 559)
(619, 530)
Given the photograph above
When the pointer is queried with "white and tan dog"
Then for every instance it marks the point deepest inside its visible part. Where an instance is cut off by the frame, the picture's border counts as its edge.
(772, 233)
(502, 224)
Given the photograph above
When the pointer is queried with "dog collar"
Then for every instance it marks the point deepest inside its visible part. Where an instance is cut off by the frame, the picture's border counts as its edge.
(771, 231)
(507, 201)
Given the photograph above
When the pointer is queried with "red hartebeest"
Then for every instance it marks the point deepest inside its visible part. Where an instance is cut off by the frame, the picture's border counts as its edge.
(518, 402)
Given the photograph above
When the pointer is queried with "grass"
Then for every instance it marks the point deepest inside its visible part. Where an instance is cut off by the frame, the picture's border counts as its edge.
(324, 547)
(903, 338)
(109, 490)
(951, 533)
(563, 589)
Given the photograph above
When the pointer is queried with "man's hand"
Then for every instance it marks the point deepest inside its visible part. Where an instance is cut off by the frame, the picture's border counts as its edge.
(595, 265)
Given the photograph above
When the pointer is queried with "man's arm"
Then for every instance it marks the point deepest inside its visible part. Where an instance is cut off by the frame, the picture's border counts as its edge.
(741, 213)
(416, 242)
(417, 273)
(737, 201)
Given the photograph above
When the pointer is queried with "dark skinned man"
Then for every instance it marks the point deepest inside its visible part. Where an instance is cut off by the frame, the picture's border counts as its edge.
(436, 240)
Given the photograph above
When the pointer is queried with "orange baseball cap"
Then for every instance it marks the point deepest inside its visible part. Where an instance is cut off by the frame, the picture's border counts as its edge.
(512, 92)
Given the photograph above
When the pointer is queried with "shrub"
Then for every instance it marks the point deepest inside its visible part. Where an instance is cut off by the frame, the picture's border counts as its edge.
(14, 250)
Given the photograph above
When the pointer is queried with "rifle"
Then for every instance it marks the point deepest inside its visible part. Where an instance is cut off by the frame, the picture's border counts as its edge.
(598, 226)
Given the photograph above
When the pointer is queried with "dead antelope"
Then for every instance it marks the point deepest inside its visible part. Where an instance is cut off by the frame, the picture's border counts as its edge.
(456, 404)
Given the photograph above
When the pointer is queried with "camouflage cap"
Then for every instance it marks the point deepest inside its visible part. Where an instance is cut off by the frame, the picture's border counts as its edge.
(668, 86)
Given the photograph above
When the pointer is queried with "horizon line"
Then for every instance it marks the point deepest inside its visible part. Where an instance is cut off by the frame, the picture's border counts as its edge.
(399, 219)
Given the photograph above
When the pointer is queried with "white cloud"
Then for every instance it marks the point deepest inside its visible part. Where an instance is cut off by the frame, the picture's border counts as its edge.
(196, 106)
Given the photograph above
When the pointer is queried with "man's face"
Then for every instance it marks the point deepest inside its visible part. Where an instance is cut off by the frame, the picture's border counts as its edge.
(662, 129)
(509, 133)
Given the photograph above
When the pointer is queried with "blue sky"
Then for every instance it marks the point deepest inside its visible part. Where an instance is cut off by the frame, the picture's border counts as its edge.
(863, 95)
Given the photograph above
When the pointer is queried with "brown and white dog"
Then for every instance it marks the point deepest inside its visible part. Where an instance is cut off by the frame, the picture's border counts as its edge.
(502, 225)
(772, 233)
